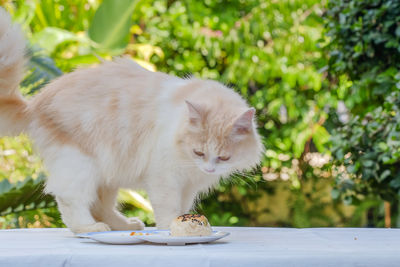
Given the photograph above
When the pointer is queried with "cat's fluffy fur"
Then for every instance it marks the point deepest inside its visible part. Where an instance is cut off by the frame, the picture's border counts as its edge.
(119, 125)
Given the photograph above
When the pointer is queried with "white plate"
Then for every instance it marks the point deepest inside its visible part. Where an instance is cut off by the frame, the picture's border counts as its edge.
(164, 237)
(117, 237)
(155, 236)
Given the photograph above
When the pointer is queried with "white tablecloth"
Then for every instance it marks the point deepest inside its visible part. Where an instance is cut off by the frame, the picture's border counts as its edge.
(244, 247)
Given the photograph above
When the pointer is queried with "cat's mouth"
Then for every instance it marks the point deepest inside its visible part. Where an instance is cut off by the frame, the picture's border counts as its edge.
(212, 170)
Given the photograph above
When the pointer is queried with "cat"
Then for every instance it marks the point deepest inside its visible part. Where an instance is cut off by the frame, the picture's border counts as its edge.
(118, 125)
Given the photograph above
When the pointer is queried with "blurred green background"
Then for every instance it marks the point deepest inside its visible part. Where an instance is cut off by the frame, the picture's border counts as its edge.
(323, 76)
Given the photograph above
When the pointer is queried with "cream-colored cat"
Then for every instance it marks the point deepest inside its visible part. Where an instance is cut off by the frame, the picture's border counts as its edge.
(119, 125)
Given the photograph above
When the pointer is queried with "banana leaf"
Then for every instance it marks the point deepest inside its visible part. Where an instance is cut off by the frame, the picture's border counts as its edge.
(111, 24)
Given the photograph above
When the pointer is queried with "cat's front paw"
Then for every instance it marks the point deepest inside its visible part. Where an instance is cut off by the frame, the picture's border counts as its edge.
(96, 227)
(134, 223)
(126, 224)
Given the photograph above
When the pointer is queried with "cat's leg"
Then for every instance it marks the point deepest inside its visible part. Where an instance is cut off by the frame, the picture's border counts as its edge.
(188, 199)
(166, 202)
(77, 217)
(104, 209)
(73, 181)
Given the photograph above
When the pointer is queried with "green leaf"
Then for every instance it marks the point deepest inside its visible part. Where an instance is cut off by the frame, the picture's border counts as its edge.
(383, 146)
(368, 163)
(384, 175)
(50, 37)
(335, 193)
(398, 31)
(83, 60)
(395, 183)
(352, 169)
(320, 137)
(41, 70)
(111, 23)
(25, 14)
(25, 195)
(5, 185)
(300, 141)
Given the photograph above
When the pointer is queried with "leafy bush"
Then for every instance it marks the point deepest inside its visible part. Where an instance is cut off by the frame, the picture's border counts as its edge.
(365, 59)
(372, 147)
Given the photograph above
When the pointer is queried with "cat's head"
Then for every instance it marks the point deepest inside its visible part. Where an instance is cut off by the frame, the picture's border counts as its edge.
(220, 139)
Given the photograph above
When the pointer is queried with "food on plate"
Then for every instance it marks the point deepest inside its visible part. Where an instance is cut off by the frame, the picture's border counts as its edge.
(190, 225)
(138, 233)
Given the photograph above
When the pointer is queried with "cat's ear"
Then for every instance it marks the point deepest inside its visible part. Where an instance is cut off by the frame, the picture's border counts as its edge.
(195, 114)
(243, 125)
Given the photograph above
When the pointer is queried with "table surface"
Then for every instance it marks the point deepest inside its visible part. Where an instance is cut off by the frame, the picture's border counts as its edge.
(245, 246)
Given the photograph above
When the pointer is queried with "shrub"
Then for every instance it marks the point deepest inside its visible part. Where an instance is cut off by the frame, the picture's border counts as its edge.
(365, 60)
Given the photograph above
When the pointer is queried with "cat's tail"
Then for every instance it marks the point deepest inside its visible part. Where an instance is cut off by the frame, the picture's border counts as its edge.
(13, 108)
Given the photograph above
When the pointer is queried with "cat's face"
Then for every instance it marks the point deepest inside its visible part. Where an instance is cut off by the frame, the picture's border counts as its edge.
(219, 143)
(212, 158)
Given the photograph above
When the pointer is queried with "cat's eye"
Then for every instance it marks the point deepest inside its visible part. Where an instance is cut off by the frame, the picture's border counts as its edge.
(224, 158)
(198, 153)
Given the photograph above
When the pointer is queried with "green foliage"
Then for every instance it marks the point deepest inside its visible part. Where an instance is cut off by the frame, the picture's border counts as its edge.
(41, 70)
(38, 15)
(59, 28)
(111, 23)
(365, 46)
(370, 150)
(23, 196)
(17, 159)
(51, 37)
(364, 34)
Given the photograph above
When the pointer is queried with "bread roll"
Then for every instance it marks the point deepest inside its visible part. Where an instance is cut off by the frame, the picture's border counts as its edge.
(190, 225)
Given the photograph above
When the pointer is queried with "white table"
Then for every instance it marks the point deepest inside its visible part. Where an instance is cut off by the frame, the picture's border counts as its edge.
(244, 247)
